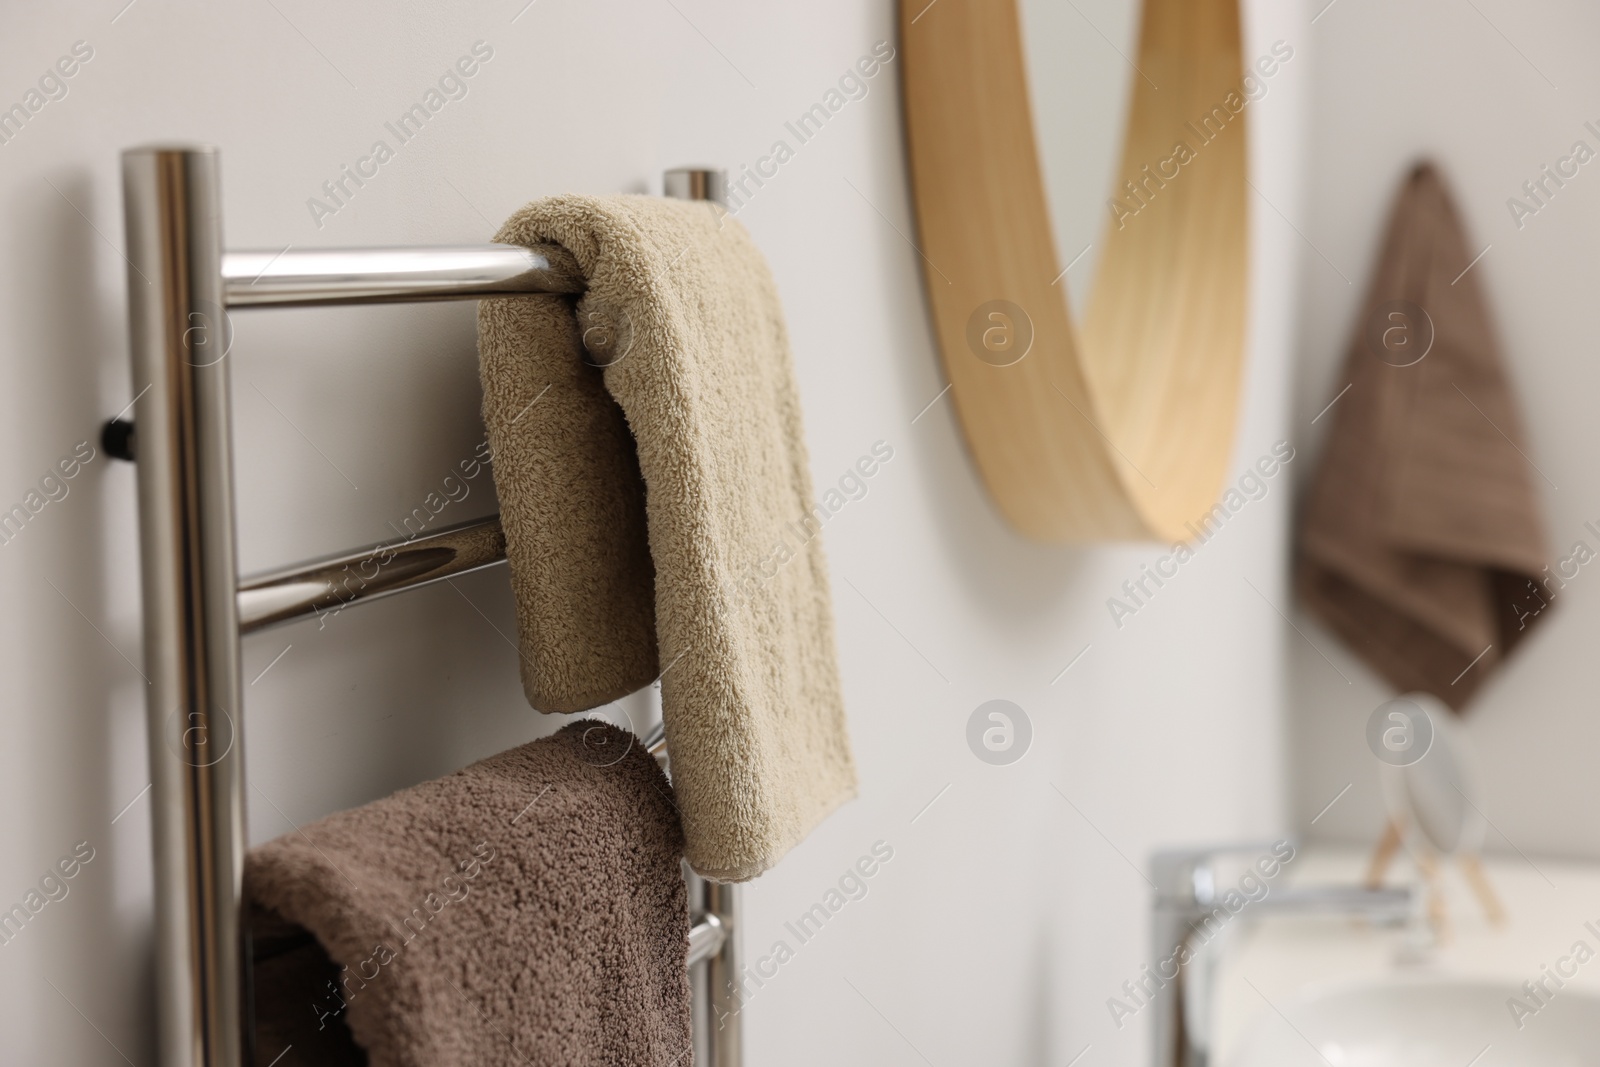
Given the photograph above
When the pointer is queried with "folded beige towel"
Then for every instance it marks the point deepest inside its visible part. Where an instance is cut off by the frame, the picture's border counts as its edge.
(719, 565)
(528, 909)
(1422, 540)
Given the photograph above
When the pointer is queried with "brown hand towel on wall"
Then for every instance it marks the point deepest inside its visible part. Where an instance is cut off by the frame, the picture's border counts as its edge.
(714, 578)
(528, 909)
(1422, 542)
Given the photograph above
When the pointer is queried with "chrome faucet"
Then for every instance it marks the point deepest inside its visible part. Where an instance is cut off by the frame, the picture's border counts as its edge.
(1190, 909)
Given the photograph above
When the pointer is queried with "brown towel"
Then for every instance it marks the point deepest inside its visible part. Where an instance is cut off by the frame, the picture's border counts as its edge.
(720, 565)
(528, 909)
(1422, 542)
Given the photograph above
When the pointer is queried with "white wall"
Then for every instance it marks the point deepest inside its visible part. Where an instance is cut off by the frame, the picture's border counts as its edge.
(1492, 94)
(1014, 905)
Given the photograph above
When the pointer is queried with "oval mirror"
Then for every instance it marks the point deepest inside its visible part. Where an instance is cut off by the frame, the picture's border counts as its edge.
(1048, 143)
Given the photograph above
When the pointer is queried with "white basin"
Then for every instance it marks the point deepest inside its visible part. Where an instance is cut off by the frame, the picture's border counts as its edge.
(1422, 1024)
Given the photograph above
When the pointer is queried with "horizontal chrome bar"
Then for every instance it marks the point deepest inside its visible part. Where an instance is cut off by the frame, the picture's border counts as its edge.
(319, 587)
(706, 938)
(390, 275)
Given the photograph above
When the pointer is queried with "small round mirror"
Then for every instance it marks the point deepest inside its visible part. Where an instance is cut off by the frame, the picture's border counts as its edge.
(1432, 798)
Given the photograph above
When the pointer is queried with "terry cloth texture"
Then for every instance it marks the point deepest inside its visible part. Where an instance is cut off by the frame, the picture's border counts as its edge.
(1422, 541)
(528, 909)
(656, 499)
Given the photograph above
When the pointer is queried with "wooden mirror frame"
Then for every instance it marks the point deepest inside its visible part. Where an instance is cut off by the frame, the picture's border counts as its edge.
(1122, 431)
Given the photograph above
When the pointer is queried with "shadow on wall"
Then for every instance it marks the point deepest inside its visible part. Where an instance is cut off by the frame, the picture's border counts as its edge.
(1016, 581)
(58, 555)
(1041, 1003)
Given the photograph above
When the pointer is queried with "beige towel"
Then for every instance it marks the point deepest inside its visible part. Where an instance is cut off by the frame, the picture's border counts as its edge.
(719, 566)
(528, 909)
(1422, 543)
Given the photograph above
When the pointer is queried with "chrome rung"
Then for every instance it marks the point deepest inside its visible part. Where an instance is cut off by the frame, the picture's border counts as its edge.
(325, 585)
(655, 740)
(311, 276)
(706, 938)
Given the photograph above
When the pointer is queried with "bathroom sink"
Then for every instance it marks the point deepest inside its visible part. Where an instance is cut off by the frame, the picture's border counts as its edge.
(1423, 1024)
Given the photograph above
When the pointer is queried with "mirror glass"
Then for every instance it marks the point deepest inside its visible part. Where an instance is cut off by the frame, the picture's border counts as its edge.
(1079, 59)
(1434, 799)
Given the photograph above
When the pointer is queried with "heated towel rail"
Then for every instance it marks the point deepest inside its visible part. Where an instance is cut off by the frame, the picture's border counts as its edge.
(181, 285)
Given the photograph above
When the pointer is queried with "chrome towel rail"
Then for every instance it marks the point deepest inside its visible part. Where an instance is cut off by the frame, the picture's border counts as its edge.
(331, 584)
(298, 277)
(180, 285)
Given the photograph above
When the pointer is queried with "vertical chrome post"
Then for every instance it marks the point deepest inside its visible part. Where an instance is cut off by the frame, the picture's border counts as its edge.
(179, 337)
(715, 991)
(718, 1019)
(726, 1023)
(696, 183)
